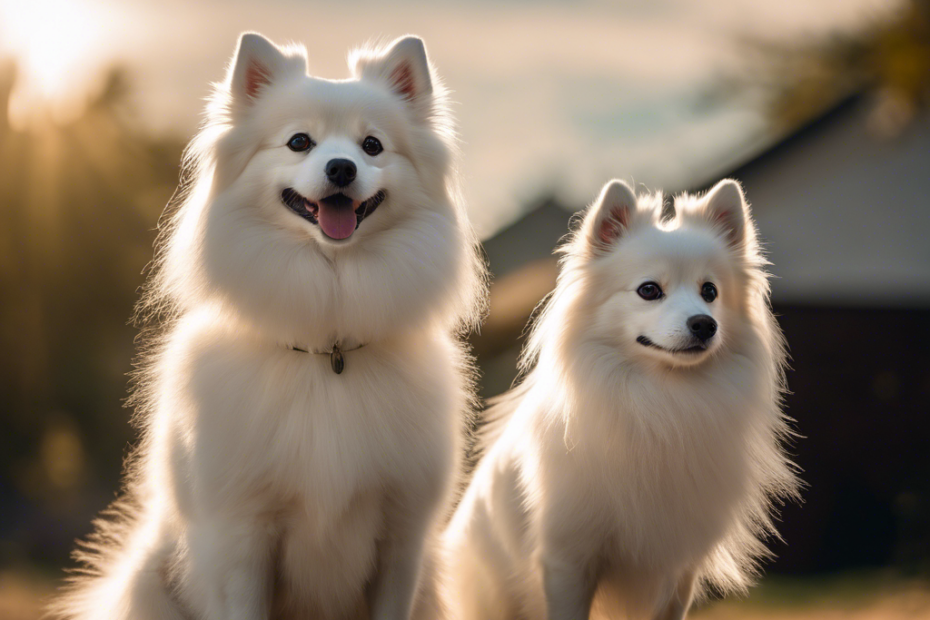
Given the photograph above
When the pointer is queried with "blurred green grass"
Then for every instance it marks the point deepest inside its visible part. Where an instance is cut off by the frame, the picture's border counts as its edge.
(863, 595)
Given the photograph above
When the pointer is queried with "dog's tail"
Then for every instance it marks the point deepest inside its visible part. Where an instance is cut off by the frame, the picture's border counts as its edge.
(123, 574)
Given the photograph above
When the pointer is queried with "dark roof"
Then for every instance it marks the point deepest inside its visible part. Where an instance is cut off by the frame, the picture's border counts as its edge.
(844, 214)
(847, 108)
(532, 237)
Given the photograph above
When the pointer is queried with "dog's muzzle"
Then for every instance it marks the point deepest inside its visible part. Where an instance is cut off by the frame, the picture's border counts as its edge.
(338, 216)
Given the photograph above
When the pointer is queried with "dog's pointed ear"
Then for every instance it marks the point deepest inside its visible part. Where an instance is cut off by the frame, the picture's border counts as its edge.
(258, 64)
(611, 215)
(726, 208)
(404, 67)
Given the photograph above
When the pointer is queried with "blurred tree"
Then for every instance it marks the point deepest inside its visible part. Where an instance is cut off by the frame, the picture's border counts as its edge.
(78, 207)
(800, 80)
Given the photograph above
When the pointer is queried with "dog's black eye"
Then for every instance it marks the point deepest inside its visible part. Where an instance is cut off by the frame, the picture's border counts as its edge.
(372, 146)
(300, 142)
(709, 292)
(649, 291)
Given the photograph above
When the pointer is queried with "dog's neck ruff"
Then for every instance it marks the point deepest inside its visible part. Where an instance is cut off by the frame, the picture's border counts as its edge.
(336, 358)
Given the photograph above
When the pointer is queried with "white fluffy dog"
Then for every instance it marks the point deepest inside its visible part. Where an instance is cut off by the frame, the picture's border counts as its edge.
(637, 461)
(301, 411)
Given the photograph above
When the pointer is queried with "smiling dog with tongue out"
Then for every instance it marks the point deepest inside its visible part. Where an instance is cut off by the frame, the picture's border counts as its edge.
(320, 224)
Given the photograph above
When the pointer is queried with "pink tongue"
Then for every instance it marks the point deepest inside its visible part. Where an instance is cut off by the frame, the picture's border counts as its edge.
(337, 222)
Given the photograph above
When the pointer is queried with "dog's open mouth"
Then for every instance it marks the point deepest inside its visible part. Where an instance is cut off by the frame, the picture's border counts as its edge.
(337, 216)
(698, 348)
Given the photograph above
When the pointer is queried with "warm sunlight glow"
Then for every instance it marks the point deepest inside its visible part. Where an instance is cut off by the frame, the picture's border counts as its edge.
(51, 42)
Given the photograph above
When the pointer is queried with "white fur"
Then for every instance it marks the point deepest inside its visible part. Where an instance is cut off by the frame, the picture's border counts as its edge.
(266, 485)
(617, 474)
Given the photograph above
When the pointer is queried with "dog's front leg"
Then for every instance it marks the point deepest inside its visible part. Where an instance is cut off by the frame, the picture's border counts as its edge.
(231, 567)
(569, 586)
(408, 522)
(677, 606)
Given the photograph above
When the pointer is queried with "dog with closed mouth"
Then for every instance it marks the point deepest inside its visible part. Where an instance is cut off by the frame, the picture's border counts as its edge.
(302, 406)
(636, 463)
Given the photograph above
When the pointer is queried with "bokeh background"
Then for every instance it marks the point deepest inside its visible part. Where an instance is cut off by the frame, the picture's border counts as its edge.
(820, 107)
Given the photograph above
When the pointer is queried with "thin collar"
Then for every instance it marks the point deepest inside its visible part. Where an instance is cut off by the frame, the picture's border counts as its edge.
(336, 358)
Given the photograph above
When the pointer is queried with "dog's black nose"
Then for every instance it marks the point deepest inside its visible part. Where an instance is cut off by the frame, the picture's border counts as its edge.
(340, 172)
(702, 327)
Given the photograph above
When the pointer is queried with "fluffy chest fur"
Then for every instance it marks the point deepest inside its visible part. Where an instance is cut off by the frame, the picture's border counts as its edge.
(656, 468)
(316, 458)
(263, 420)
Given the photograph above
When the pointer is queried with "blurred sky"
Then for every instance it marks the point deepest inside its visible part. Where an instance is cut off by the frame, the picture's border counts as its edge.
(553, 96)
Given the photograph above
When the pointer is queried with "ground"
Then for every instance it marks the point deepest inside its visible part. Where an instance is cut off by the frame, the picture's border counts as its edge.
(869, 596)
